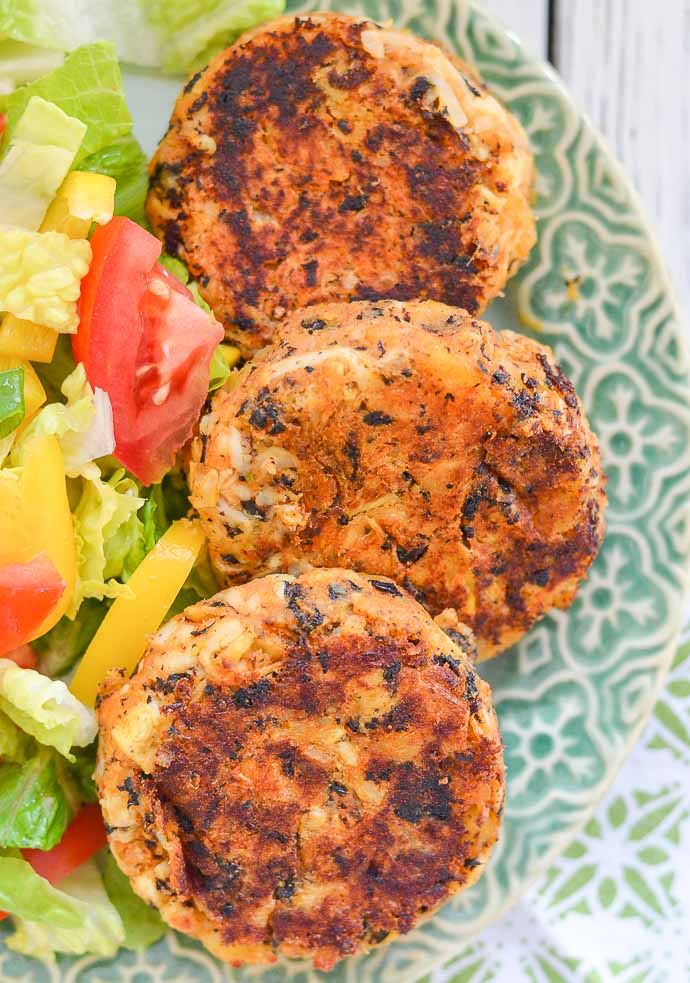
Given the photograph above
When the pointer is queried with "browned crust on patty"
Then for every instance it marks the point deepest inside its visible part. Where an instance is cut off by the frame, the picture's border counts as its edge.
(303, 766)
(299, 168)
(413, 441)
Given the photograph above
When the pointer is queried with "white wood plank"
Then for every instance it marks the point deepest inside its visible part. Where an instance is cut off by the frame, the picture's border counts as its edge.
(628, 64)
(529, 19)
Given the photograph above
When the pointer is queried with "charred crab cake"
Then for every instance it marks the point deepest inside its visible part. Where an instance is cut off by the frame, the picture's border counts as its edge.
(325, 158)
(412, 441)
(301, 766)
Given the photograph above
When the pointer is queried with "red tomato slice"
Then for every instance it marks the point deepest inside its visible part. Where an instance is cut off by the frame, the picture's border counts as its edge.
(123, 254)
(24, 656)
(84, 836)
(172, 280)
(145, 342)
(28, 593)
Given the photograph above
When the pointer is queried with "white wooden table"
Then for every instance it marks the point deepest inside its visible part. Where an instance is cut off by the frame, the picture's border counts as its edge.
(627, 62)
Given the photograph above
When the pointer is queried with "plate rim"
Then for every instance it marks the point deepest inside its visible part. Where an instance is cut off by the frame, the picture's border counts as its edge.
(675, 621)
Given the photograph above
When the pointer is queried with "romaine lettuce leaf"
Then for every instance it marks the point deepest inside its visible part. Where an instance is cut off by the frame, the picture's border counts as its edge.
(176, 36)
(43, 147)
(143, 926)
(34, 810)
(12, 403)
(45, 709)
(76, 918)
(88, 86)
(171, 500)
(14, 742)
(109, 535)
(53, 374)
(31, 21)
(83, 426)
(192, 32)
(21, 63)
(126, 162)
(81, 773)
(219, 370)
(60, 648)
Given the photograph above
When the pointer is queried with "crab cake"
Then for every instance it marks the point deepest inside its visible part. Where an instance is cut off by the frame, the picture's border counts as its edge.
(326, 158)
(303, 766)
(407, 440)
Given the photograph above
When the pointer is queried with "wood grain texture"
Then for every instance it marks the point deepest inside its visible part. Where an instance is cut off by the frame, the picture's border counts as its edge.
(627, 62)
(529, 19)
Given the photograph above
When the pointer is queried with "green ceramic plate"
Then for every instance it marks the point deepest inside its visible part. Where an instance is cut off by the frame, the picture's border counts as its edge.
(574, 694)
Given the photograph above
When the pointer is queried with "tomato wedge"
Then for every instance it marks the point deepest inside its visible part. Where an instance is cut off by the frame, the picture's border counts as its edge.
(84, 836)
(144, 341)
(28, 594)
(115, 282)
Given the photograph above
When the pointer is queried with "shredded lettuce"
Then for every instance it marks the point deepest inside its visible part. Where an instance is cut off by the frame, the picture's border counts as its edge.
(76, 918)
(45, 709)
(176, 36)
(143, 925)
(21, 63)
(83, 426)
(40, 275)
(111, 538)
(43, 147)
(109, 535)
(34, 809)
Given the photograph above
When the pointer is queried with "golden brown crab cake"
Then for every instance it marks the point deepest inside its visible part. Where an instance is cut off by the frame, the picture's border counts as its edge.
(325, 158)
(304, 766)
(408, 440)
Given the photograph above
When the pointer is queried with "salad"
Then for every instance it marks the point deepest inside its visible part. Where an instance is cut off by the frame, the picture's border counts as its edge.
(107, 355)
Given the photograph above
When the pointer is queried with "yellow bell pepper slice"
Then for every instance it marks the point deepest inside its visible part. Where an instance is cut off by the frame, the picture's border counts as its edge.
(35, 516)
(83, 198)
(34, 393)
(231, 355)
(15, 535)
(121, 639)
(47, 516)
(27, 340)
